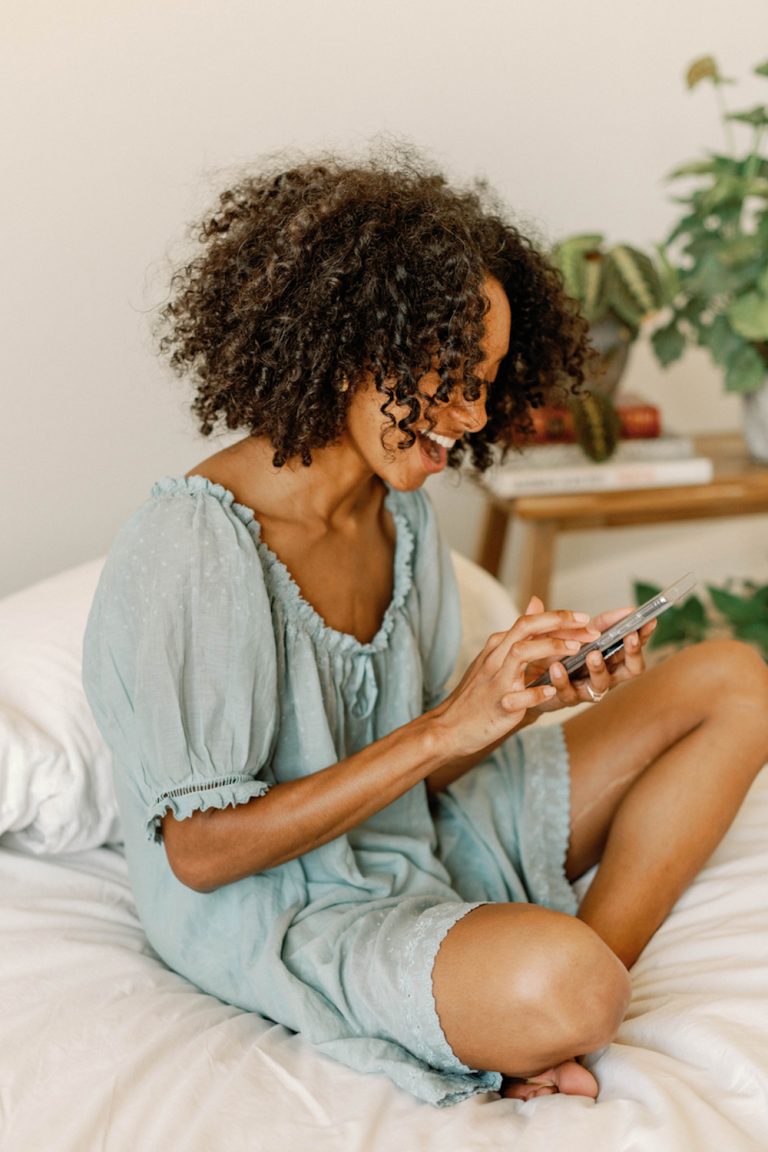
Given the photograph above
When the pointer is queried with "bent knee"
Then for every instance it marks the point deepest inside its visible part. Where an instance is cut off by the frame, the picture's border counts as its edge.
(732, 667)
(585, 985)
(520, 986)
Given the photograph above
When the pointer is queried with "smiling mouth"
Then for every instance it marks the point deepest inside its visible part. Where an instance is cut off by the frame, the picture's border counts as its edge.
(436, 447)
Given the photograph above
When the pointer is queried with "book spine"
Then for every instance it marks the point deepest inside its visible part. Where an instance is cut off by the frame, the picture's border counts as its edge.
(511, 483)
(555, 425)
(664, 447)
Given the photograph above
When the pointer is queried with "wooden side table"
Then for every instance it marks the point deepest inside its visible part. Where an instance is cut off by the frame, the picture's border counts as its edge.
(739, 487)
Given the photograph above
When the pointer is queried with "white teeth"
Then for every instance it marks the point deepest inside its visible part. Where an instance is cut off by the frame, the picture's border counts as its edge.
(443, 441)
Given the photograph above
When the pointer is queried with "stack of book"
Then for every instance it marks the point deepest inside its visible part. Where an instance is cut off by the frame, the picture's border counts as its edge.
(646, 457)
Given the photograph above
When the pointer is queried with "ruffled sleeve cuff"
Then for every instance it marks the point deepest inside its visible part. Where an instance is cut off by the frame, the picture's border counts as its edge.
(229, 791)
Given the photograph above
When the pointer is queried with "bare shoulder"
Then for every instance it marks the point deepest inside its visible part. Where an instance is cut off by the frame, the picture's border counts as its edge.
(230, 468)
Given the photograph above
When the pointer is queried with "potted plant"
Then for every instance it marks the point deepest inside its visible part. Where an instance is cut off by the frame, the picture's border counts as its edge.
(715, 259)
(617, 288)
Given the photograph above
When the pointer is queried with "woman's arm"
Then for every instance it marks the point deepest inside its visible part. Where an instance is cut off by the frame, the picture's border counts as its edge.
(602, 676)
(218, 846)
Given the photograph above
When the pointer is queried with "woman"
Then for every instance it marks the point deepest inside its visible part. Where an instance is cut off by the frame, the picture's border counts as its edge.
(335, 842)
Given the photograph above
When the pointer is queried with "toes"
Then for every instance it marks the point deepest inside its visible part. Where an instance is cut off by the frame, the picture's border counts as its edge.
(574, 1079)
(570, 1078)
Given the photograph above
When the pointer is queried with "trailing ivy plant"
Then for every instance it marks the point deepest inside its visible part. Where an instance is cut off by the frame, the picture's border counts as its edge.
(740, 609)
(715, 259)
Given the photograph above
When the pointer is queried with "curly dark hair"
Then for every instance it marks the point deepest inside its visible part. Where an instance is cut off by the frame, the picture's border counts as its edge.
(311, 280)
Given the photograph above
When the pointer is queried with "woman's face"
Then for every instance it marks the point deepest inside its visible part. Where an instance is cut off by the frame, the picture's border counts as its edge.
(407, 468)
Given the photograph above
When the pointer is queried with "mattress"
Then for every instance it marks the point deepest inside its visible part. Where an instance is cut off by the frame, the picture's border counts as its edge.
(103, 1048)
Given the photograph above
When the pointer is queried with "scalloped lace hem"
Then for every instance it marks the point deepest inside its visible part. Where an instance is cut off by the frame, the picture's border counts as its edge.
(227, 792)
(549, 782)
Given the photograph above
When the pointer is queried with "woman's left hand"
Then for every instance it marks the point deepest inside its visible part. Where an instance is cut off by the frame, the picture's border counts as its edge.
(602, 675)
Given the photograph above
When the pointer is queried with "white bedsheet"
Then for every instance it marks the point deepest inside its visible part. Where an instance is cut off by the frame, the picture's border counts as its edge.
(102, 1049)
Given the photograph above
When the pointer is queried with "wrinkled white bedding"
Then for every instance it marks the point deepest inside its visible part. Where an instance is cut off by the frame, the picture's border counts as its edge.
(102, 1048)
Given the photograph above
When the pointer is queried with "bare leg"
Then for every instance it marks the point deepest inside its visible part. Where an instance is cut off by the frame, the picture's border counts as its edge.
(520, 990)
(659, 770)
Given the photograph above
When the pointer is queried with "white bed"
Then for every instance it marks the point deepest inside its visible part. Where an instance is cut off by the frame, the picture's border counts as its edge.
(103, 1049)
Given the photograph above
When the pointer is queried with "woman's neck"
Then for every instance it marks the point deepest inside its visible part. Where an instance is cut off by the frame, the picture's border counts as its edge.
(335, 488)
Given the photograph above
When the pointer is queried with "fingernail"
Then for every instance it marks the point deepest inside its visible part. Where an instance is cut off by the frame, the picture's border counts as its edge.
(581, 617)
(573, 644)
(549, 690)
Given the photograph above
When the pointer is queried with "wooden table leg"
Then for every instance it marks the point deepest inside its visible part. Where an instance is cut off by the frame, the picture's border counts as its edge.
(493, 537)
(536, 562)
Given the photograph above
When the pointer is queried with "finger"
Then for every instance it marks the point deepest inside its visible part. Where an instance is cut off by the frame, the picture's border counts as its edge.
(553, 622)
(647, 630)
(598, 675)
(585, 635)
(605, 620)
(634, 659)
(545, 648)
(535, 605)
(526, 698)
(569, 625)
(567, 691)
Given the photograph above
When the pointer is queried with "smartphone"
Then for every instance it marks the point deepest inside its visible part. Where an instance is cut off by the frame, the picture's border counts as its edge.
(611, 640)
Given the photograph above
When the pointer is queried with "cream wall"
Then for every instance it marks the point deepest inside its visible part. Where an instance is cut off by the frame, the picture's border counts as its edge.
(121, 116)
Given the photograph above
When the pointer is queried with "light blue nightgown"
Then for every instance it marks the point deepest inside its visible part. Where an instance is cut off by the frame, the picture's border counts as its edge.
(212, 679)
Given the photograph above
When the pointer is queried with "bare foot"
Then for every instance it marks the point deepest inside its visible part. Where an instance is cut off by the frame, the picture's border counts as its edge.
(570, 1078)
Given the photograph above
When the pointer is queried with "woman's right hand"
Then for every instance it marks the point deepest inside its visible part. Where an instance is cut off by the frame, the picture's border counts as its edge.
(492, 699)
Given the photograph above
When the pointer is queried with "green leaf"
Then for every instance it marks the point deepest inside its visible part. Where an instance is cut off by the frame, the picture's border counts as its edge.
(593, 289)
(669, 279)
(749, 316)
(755, 633)
(580, 261)
(720, 339)
(740, 249)
(692, 168)
(690, 223)
(743, 278)
(761, 69)
(756, 187)
(708, 278)
(668, 344)
(724, 189)
(745, 370)
(737, 609)
(639, 280)
(756, 117)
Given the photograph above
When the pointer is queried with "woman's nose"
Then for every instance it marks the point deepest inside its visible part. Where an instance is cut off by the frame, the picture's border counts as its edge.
(472, 413)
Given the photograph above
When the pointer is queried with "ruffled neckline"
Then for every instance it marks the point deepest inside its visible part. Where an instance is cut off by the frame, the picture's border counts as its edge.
(283, 583)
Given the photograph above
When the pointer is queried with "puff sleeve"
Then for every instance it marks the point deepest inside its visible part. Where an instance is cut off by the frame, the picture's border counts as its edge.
(179, 661)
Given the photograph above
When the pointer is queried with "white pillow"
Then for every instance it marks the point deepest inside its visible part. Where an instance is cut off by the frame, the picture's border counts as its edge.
(486, 607)
(56, 792)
